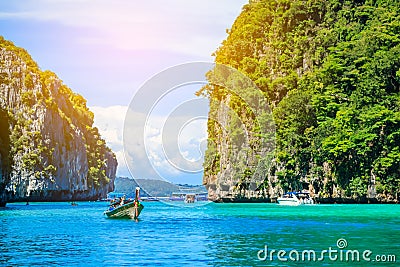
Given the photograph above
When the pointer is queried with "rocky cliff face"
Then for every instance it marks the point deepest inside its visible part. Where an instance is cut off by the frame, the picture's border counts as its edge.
(48, 147)
(238, 170)
(241, 137)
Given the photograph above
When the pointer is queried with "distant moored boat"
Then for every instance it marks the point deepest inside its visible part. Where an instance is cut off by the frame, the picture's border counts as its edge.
(295, 199)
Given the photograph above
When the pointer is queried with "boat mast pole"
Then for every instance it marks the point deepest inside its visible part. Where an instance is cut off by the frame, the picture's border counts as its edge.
(137, 201)
(137, 194)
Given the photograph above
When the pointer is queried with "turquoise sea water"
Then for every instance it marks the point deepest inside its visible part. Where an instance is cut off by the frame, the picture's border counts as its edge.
(59, 234)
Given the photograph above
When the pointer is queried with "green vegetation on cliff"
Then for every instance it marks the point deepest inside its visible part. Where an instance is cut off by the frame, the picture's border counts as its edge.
(330, 71)
(49, 147)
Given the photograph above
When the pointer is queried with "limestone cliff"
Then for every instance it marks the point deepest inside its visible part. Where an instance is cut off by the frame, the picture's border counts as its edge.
(49, 149)
(329, 70)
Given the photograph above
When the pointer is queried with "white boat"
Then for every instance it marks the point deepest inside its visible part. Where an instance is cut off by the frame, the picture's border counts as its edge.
(295, 199)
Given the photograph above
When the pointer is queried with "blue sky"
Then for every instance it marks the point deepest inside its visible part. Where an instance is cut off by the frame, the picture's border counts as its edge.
(105, 50)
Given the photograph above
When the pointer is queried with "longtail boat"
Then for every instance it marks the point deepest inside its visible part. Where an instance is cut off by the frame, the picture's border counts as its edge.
(125, 210)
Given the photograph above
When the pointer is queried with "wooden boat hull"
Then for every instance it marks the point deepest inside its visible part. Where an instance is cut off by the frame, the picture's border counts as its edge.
(125, 211)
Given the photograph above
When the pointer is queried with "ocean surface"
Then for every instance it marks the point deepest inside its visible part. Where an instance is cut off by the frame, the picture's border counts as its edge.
(58, 234)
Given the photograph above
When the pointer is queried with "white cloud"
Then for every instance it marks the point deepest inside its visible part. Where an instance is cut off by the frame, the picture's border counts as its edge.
(151, 162)
(110, 122)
